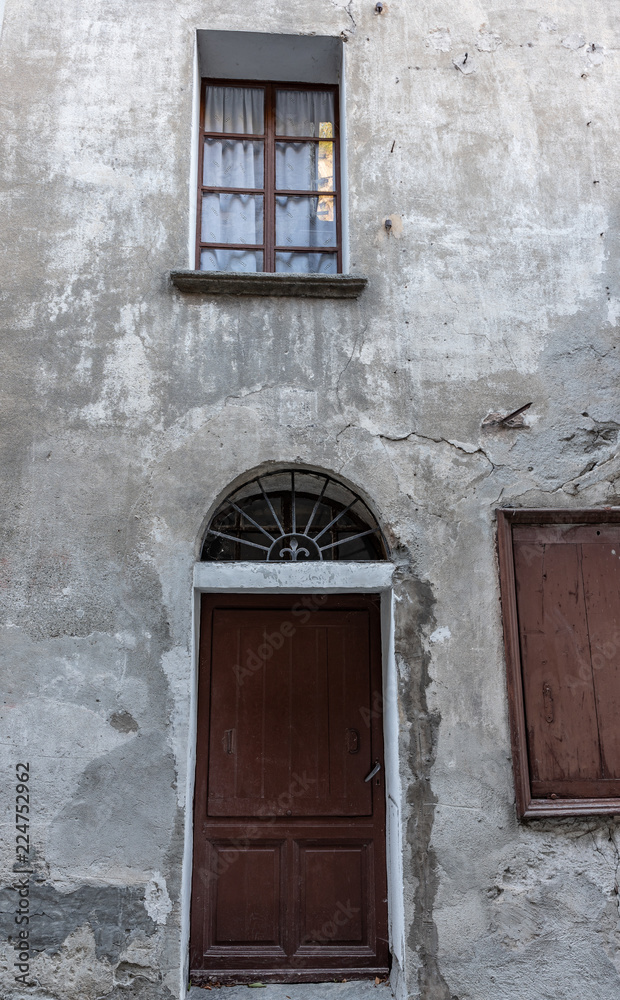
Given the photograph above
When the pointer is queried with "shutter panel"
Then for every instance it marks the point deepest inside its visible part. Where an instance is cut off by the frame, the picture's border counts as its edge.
(561, 597)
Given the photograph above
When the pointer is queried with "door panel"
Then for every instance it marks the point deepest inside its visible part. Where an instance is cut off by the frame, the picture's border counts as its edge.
(248, 900)
(335, 896)
(289, 841)
(281, 710)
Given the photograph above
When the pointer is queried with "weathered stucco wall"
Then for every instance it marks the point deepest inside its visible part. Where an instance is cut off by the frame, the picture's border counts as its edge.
(129, 407)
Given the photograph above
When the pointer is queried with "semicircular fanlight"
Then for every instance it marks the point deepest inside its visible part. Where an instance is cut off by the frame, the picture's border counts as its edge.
(293, 515)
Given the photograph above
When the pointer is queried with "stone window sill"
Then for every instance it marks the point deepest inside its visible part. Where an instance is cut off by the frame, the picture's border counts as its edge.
(315, 286)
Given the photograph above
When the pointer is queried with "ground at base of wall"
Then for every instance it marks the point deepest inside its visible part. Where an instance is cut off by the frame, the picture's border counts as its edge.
(356, 990)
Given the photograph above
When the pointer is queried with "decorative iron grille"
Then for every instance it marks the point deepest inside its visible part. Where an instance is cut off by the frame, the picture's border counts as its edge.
(293, 515)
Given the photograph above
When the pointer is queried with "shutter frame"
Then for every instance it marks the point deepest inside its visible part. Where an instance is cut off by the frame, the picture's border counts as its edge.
(590, 800)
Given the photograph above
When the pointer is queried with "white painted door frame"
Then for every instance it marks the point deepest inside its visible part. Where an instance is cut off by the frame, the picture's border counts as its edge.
(309, 578)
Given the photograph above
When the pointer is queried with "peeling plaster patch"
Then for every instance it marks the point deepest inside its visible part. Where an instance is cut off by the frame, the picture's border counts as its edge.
(126, 387)
(176, 666)
(157, 902)
(139, 960)
(464, 64)
(439, 39)
(124, 722)
(488, 41)
(114, 914)
(59, 305)
(440, 634)
(96, 829)
(297, 407)
(596, 54)
(125, 639)
(613, 311)
(547, 24)
(573, 42)
(126, 974)
(100, 174)
(75, 970)
(469, 449)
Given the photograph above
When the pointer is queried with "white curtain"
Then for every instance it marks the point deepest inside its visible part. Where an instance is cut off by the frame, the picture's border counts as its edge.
(306, 263)
(305, 112)
(235, 109)
(305, 166)
(232, 163)
(244, 261)
(305, 222)
(232, 218)
(227, 217)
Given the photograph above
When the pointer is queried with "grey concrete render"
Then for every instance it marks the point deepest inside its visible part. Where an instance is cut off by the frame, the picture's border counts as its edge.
(359, 990)
(489, 134)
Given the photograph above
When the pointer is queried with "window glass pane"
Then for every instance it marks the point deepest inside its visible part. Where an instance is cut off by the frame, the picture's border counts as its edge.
(231, 260)
(233, 163)
(306, 221)
(305, 166)
(232, 218)
(306, 263)
(305, 112)
(235, 109)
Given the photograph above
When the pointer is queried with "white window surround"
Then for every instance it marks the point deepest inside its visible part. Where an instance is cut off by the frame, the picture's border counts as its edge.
(310, 578)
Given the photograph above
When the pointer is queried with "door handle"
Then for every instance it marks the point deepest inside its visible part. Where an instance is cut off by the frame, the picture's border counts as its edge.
(374, 771)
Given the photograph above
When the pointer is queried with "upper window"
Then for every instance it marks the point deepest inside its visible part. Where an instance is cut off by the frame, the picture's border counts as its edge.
(268, 195)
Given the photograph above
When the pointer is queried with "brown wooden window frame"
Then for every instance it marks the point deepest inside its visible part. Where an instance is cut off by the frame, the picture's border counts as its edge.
(269, 191)
(528, 806)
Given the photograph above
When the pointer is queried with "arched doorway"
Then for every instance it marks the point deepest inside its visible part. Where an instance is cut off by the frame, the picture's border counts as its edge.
(293, 515)
(289, 873)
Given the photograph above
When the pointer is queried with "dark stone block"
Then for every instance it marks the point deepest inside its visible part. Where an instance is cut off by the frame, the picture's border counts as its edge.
(316, 286)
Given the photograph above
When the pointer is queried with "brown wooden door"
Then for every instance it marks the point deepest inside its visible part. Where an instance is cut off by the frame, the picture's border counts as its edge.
(289, 875)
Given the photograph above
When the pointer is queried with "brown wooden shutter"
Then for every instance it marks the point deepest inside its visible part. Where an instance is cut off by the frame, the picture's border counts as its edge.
(560, 574)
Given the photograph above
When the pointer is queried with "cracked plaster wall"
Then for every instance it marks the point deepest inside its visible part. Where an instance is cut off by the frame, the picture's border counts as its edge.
(490, 133)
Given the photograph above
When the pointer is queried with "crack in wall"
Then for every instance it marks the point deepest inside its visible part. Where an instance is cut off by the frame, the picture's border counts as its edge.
(359, 339)
(616, 851)
(250, 392)
(441, 440)
(348, 7)
(611, 829)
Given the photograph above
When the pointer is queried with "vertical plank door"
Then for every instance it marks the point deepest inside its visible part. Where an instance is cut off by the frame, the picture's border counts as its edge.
(289, 838)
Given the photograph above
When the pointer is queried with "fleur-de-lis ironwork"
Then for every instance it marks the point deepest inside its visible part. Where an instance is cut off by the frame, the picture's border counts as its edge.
(295, 550)
(331, 516)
